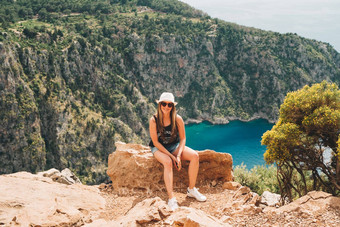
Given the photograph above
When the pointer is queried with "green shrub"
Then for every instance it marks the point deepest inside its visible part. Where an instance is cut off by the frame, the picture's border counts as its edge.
(258, 179)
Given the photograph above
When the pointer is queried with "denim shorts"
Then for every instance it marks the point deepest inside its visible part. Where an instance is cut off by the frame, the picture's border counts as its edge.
(171, 148)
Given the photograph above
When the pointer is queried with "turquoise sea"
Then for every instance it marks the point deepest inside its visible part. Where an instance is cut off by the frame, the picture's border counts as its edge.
(240, 139)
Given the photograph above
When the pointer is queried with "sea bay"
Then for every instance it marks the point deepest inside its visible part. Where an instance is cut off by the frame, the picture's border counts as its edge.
(240, 139)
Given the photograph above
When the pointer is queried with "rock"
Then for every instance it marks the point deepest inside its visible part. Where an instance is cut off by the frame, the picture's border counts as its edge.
(65, 176)
(315, 207)
(225, 218)
(231, 185)
(132, 166)
(241, 191)
(185, 216)
(53, 173)
(315, 195)
(246, 210)
(270, 199)
(149, 210)
(314, 202)
(243, 202)
(213, 183)
(102, 223)
(34, 200)
(102, 186)
(256, 199)
(49, 173)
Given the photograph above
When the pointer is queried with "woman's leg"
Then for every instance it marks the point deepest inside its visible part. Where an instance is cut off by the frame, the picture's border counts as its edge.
(192, 156)
(168, 171)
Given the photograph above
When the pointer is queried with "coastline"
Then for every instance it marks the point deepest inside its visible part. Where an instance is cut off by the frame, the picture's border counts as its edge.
(226, 120)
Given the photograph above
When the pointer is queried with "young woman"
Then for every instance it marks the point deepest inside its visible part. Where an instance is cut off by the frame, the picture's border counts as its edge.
(167, 144)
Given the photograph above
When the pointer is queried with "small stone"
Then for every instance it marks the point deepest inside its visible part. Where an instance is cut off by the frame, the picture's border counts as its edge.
(270, 199)
(49, 173)
(231, 185)
(241, 192)
(213, 183)
(102, 186)
(225, 218)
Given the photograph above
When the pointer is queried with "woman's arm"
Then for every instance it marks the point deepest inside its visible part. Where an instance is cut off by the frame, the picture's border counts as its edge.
(181, 132)
(154, 138)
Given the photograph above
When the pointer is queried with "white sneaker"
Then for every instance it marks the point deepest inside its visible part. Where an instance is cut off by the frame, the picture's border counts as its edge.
(195, 194)
(172, 203)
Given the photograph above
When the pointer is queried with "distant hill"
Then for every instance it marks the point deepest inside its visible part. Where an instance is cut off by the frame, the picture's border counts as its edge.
(78, 75)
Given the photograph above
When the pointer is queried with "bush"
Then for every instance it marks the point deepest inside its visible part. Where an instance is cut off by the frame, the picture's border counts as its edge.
(258, 179)
(308, 125)
(30, 32)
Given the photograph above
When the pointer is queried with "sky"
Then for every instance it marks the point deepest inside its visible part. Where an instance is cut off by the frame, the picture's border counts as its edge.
(314, 19)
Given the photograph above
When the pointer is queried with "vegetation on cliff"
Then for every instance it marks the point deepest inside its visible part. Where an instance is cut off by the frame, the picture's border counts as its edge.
(258, 179)
(76, 76)
(308, 128)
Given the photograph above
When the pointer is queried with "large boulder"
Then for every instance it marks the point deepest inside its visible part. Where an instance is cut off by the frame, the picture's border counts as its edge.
(33, 200)
(132, 166)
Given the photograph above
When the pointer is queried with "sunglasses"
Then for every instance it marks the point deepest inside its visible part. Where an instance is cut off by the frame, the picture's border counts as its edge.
(169, 104)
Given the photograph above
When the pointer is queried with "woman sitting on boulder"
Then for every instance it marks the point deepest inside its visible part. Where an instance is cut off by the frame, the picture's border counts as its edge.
(167, 144)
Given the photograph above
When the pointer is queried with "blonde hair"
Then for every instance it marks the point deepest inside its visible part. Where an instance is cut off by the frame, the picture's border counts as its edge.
(160, 124)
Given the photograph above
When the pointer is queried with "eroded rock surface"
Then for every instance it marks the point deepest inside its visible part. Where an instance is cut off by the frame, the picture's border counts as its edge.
(132, 166)
(27, 199)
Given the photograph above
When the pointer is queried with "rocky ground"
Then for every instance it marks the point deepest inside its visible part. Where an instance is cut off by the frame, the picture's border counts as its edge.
(315, 209)
(33, 200)
(229, 203)
(137, 197)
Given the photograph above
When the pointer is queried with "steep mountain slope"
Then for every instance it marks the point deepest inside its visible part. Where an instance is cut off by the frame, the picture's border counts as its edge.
(76, 76)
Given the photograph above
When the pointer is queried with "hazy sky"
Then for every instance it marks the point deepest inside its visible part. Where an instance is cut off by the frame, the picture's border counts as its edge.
(314, 19)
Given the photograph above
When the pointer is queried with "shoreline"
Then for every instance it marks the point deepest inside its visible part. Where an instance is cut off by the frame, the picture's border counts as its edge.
(226, 120)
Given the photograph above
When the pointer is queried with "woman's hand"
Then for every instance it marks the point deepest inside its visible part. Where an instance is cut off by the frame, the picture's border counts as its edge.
(176, 163)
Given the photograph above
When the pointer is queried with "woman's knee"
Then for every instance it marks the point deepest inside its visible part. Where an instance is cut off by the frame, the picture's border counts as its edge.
(195, 157)
(191, 155)
(163, 159)
(167, 163)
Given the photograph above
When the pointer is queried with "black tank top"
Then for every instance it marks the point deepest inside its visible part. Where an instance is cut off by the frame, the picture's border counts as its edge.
(167, 136)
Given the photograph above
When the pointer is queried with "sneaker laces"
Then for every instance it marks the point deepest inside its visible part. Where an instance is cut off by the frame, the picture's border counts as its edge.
(193, 189)
(173, 204)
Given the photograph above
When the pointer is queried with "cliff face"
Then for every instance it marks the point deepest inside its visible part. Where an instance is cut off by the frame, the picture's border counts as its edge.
(73, 86)
(44, 123)
(244, 75)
